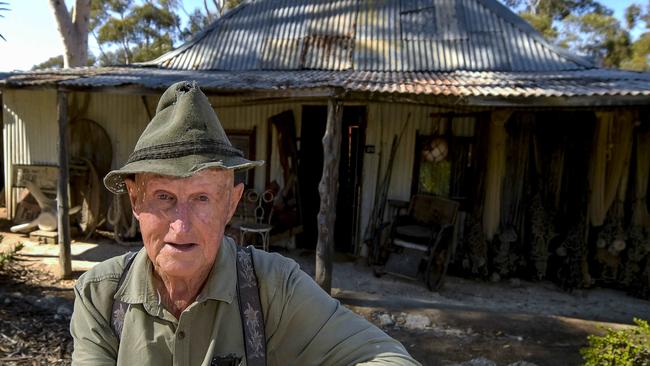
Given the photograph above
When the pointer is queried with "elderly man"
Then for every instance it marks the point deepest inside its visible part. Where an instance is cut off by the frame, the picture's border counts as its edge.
(192, 296)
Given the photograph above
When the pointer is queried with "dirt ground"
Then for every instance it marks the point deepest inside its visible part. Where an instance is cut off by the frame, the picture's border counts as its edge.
(506, 322)
(467, 322)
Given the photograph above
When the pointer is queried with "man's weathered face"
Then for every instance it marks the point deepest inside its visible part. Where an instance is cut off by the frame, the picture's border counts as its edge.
(182, 220)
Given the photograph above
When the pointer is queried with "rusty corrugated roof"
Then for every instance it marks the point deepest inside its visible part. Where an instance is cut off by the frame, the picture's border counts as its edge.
(592, 82)
(370, 35)
(457, 48)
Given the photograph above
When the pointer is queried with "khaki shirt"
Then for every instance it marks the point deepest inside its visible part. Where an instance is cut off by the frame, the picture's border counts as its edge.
(304, 325)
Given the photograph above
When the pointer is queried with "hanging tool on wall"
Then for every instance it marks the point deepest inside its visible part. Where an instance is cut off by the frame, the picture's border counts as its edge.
(376, 225)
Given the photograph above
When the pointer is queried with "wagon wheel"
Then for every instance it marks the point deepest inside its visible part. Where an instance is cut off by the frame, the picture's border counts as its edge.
(90, 145)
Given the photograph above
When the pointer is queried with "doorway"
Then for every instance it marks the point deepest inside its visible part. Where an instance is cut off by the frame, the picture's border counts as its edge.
(310, 170)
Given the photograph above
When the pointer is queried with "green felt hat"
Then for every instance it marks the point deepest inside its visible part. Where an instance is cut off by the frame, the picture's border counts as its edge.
(184, 137)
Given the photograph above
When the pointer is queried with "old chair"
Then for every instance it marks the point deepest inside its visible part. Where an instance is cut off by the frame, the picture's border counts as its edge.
(261, 220)
(420, 241)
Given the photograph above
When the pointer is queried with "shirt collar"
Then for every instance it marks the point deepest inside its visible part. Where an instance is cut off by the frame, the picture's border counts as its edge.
(222, 281)
(137, 287)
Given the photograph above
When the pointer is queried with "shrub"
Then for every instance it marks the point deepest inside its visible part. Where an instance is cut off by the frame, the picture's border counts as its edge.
(10, 255)
(627, 347)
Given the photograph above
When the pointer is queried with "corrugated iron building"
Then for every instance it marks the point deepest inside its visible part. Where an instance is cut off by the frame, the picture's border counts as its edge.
(430, 59)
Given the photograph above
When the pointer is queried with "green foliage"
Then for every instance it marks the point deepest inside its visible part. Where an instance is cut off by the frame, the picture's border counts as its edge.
(558, 9)
(140, 31)
(598, 36)
(56, 62)
(130, 31)
(628, 347)
(587, 27)
(640, 51)
(10, 255)
(197, 20)
(632, 15)
(542, 23)
(229, 4)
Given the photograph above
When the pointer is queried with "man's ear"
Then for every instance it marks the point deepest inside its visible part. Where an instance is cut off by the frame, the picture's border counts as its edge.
(132, 190)
(237, 191)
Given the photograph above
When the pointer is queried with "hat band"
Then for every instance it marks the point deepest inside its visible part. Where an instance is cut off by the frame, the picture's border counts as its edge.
(184, 148)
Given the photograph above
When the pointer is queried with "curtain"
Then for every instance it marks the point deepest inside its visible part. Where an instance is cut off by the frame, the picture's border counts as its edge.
(610, 161)
(495, 171)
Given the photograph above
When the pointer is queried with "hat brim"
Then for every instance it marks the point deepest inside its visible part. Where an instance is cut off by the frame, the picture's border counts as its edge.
(181, 167)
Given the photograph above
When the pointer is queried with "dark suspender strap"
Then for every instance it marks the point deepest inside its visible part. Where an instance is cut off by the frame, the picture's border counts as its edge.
(120, 307)
(250, 308)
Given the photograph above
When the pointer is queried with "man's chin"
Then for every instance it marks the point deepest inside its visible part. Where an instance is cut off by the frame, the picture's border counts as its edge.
(180, 264)
(179, 269)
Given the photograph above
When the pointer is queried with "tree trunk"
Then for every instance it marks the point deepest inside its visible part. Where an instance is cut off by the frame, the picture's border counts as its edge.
(73, 30)
(65, 260)
(328, 190)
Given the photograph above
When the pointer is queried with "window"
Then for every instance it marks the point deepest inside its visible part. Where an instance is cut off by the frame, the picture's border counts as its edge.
(443, 158)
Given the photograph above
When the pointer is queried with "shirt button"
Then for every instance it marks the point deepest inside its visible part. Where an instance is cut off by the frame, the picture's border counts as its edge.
(181, 335)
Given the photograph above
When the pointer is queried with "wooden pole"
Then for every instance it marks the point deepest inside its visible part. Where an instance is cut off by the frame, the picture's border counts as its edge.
(65, 260)
(328, 190)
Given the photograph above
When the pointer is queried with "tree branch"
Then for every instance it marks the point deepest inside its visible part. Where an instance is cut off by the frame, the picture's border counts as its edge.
(63, 20)
(81, 20)
(219, 7)
(80, 15)
(73, 30)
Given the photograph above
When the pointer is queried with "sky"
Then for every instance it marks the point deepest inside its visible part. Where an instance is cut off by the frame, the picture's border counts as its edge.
(32, 37)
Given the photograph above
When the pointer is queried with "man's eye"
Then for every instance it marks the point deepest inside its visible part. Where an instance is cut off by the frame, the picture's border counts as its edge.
(203, 198)
(164, 197)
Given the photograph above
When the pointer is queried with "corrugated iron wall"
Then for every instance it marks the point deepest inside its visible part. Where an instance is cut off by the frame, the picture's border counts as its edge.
(30, 130)
(30, 134)
(123, 116)
(237, 116)
(385, 121)
(371, 35)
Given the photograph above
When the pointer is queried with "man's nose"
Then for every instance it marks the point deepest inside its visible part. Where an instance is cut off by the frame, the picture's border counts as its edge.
(180, 218)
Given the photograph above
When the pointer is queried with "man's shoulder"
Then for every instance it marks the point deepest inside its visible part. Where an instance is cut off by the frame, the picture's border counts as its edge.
(108, 271)
(271, 269)
(268, 262)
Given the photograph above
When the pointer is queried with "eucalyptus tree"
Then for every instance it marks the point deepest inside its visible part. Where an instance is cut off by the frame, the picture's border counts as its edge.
(73, 29)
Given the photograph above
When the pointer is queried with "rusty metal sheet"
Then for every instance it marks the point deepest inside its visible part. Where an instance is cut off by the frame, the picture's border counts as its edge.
(370, 35)
(592, 82)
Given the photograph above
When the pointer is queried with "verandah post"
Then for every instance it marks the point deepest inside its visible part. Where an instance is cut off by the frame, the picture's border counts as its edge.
(65, 260)
(328, 190)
